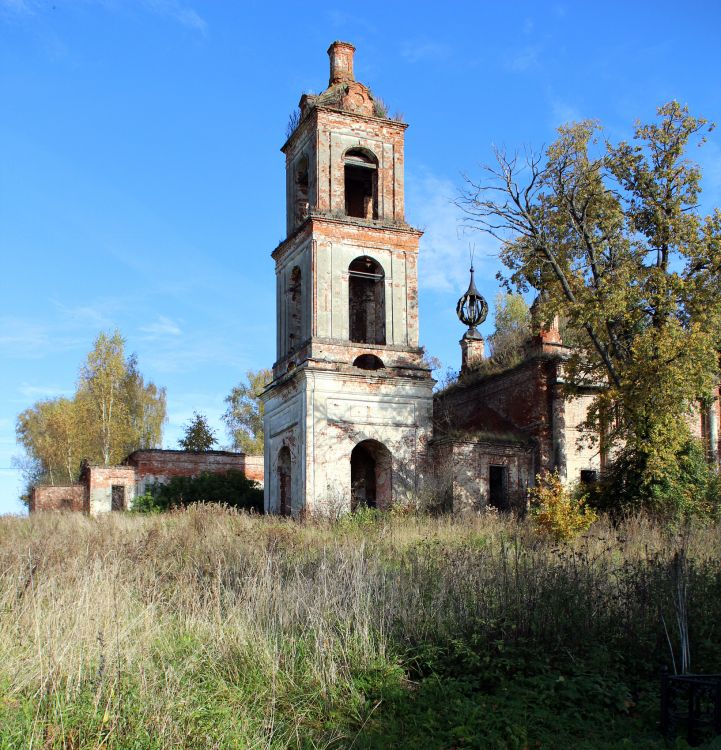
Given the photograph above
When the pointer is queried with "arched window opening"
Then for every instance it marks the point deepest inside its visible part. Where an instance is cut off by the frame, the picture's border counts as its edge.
(366, 300)
(295, 308)
(285, 500)
(302, 203)
(370, 476)
(368, 362)
(361, 184)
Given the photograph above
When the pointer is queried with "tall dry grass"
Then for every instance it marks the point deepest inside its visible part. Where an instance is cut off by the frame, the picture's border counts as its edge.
(209, 628)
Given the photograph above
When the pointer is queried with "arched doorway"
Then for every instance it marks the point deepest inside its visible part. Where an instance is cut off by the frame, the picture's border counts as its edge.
(285, 499)
(370, 476)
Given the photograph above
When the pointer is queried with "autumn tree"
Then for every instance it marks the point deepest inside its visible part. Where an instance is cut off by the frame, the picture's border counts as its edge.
(512, 318)
(612, 236)
(244, 415)
(113, 412)
(199, 436)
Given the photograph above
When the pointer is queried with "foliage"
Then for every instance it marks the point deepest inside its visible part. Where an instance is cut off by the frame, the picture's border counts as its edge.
(687, 487)
(610, 234)
(512, 329)
(112, 413)
(244, 415)
(199, 436)
(231, 488)
(212, 628)
(555, 510)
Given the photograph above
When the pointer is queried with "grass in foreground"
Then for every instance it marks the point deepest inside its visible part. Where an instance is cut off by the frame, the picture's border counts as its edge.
(211, 629)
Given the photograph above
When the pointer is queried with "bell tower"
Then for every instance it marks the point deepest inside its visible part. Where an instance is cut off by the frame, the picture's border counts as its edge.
(348, 413)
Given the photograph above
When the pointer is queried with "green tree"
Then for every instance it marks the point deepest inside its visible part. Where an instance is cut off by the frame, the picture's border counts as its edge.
(612, 235)
(199, 436)
(112, 413)
(512, 328)
(101, 381)
(244, 415)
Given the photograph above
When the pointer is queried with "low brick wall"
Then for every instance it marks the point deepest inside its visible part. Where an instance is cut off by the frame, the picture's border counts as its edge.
(67, 497)
(255, 469)
(153, 466)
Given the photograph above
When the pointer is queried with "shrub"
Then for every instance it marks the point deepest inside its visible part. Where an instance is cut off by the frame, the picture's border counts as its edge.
(232, 488)
(555, 511)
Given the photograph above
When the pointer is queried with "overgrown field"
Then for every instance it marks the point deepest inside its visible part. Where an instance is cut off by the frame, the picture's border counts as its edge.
(213, 629)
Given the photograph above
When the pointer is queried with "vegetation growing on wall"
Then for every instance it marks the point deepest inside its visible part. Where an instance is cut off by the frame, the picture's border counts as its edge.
(231, 488)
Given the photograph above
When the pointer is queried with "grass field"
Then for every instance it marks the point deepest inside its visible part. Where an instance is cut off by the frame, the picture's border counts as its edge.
(211, 629)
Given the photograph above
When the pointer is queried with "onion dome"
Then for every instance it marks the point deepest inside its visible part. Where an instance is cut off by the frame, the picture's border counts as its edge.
(472, 309)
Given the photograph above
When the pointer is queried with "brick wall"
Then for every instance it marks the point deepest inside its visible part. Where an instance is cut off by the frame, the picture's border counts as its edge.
(68, 497)
(153, 466)
(104, 483)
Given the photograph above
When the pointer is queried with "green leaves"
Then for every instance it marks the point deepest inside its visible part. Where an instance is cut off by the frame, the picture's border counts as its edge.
(112, 413)
(244, 415)
(610, 237)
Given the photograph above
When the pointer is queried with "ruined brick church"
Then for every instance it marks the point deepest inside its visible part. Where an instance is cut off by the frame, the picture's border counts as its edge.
(351, 419)
(350, 416)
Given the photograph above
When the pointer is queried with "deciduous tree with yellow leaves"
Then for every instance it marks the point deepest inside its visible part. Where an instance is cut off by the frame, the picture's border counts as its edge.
(611, 237)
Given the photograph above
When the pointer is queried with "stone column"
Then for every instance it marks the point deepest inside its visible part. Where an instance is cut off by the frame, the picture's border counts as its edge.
(713, 432)
(558, 428)
(472, 351)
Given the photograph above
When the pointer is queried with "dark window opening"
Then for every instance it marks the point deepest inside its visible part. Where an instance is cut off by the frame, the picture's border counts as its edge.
(285, 504)
(370, 476)
(361, 185)
(302, 203)
(368, 362)
(366, 298)
(117, 497)
(66, 504)
(498, 487)
(295, 308)
(589, 476)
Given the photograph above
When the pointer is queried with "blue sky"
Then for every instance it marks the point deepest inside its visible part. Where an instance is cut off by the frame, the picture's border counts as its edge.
(141, 183)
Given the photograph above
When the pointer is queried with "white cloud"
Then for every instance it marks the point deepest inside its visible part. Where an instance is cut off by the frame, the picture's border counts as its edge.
(183, 14)
(563, 112)
(172, 9)
(163, 326)
(445, 245)
(38, 392)
(524, 59)
(417, 50)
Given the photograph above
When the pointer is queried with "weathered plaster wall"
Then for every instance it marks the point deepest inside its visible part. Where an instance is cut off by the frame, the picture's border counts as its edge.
(463, 471)
(580, 453)
(100, 481)
(322, 415)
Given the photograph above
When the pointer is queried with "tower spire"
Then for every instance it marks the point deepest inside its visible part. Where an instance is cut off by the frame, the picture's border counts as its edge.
(472, 310)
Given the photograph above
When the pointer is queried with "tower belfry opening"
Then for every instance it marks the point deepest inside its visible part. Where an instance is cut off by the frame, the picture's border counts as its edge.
(366, 302)
(361, 184)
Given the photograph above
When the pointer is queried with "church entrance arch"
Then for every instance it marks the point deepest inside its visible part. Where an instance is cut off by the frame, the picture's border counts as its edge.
(285, 503)
(370, 475)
